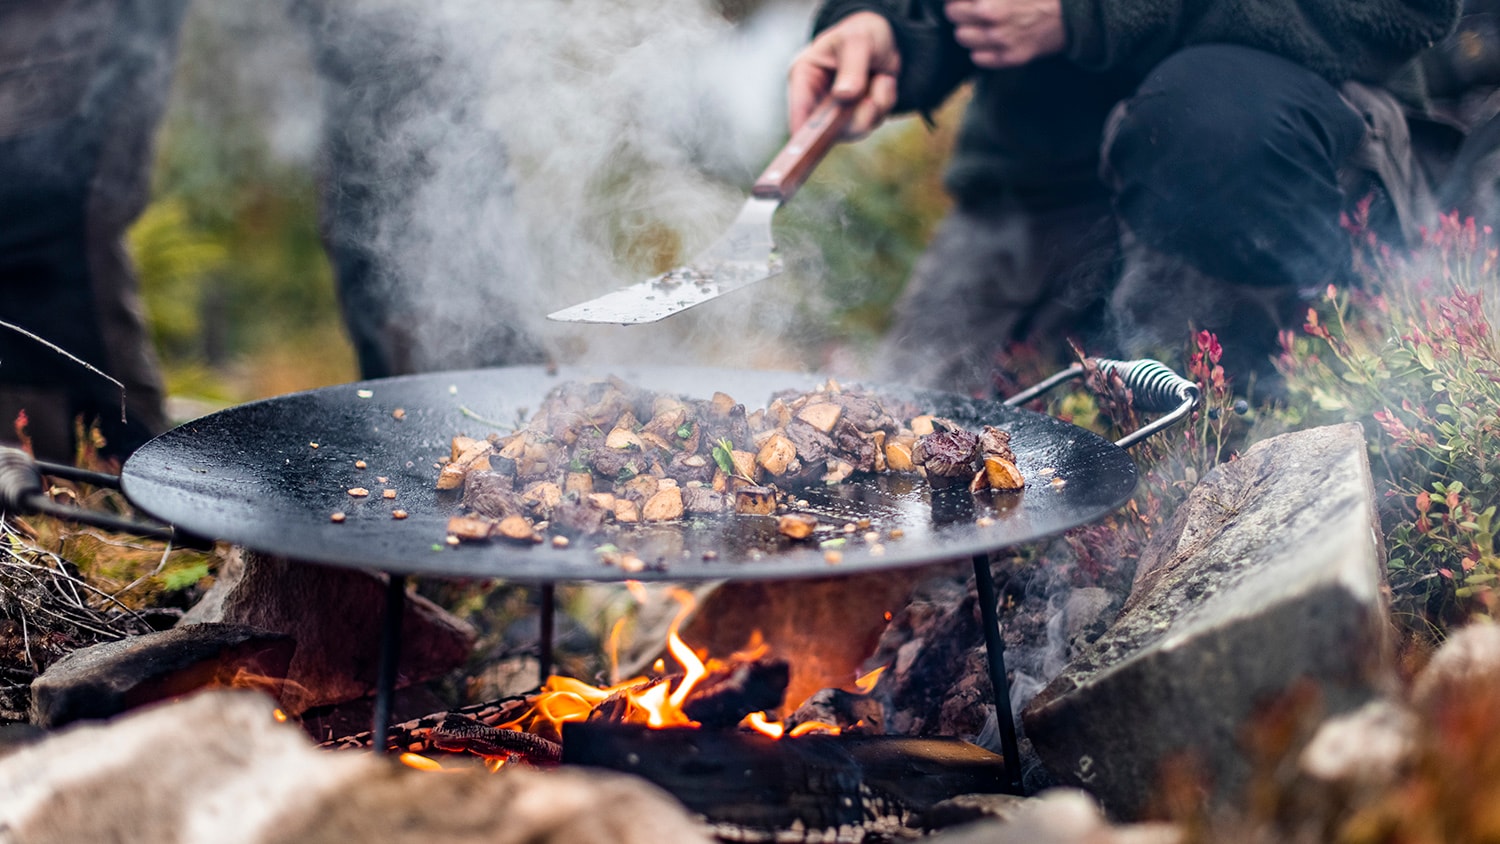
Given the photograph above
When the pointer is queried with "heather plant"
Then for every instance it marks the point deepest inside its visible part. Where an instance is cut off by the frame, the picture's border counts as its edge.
(1411, 353)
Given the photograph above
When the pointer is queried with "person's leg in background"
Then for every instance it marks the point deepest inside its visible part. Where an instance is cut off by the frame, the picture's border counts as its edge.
(82, 89)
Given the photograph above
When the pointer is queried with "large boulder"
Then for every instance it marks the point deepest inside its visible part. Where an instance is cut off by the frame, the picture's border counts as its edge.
(1266, 587)
(218, 767)
(335, 616)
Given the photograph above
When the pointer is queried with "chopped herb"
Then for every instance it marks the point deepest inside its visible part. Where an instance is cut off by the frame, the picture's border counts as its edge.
(685, 430)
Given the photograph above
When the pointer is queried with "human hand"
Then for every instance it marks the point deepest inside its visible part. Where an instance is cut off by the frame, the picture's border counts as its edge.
(1007, 33)
(855, 61)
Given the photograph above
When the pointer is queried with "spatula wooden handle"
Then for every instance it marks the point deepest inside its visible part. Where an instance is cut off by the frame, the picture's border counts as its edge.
(791, 167)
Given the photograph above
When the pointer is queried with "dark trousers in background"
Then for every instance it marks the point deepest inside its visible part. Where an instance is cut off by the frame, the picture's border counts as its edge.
(1218, 201)
(82, 87)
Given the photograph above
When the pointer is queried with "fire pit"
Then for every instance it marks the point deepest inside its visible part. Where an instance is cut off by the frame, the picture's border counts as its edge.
(269, 475)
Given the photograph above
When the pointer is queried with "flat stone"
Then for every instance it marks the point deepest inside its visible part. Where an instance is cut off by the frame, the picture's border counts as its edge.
(108, 678)
(1266, 584)
(335, 616)
(216, 766)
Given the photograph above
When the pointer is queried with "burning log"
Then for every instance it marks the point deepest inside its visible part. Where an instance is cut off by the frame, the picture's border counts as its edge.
(725, 697)
(460, 733)
(826, 788)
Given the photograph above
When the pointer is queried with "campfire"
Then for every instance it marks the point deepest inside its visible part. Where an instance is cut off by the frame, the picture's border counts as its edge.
(742, 691)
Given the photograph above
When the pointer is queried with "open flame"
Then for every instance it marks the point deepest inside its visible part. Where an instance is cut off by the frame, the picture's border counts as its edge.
(653, 701)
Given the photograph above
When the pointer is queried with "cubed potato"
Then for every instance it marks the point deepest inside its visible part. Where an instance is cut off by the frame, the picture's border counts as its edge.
(664, 506)
(797, 525)
(777, 455)
(638, 488)
(542, 495)
(470, 528)
(624, 438)
(745, 465)
(460, 445)
(821, 415)
(579, 482)
(602, 500)
(1002, 474)
(721, 404)
(755, 500)
(517, 529)
(922, 425)
(898, 457)
(626, 511)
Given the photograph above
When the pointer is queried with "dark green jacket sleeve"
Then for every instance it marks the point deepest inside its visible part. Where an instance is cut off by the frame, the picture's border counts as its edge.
(1366, 40)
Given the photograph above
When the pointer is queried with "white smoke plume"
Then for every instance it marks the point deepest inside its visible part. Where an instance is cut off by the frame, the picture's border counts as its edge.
(536, 153)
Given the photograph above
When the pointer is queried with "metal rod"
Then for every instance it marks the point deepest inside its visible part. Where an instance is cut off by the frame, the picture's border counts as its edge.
(73, 473)
(390, 654)
(994, 648)
(544, 638)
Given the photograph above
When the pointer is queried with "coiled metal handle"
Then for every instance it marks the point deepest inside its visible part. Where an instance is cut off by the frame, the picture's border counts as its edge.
(1153, 386)
(20, 481)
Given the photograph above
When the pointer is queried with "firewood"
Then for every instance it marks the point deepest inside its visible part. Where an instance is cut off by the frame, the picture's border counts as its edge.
(459, 734)
(725, 697)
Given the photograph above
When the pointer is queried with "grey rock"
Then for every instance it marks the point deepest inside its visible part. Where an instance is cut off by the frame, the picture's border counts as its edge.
(1087, 613)
(1267, 581)
(1468, 662)
(216, 766)
(334, 615)
(108, 678)
(1058, 816)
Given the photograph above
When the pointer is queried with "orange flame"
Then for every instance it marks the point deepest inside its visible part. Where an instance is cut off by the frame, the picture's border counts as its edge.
(421, 763)
(866, 684)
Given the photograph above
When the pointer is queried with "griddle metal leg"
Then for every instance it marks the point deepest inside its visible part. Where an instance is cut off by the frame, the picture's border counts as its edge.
(548, 599)
(994, 647)
(390, 653)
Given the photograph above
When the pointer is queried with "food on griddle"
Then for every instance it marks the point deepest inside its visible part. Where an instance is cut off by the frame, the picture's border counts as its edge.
(606, 453)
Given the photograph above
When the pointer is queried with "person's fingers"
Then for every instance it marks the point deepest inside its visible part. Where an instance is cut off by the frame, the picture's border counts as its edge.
(853, 76)
(964, 12)
(883, 93)
(807, 85)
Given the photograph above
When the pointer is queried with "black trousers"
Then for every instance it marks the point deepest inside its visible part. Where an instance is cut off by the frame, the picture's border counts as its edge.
(1219, 198)
(82, 87)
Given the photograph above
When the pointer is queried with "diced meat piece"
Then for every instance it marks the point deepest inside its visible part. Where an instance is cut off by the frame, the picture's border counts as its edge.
(491, 494)
(948, 456)
(852, 446)
(995, 442)
(813, 446)
(685, 468)
(703, 500)
(581, 518)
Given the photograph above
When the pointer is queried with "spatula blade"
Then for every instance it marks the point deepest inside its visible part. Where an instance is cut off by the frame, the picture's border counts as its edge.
(744, 255)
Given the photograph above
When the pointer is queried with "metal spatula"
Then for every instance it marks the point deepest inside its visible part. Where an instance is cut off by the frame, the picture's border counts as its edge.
(745, 254)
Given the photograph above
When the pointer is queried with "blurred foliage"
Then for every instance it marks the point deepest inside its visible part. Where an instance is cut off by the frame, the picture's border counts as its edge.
(862, 220)
(238, 292)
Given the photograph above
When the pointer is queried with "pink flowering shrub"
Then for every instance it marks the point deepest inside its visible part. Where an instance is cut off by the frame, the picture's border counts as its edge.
(1413, 355)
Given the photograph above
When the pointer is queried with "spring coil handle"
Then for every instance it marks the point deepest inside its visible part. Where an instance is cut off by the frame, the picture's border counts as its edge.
(1153, 386)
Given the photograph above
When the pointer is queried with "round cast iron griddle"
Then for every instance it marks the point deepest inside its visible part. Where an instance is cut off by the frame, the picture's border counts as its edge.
(250, 475)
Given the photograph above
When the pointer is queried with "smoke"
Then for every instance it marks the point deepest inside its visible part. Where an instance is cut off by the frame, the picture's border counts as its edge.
(494, 162)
